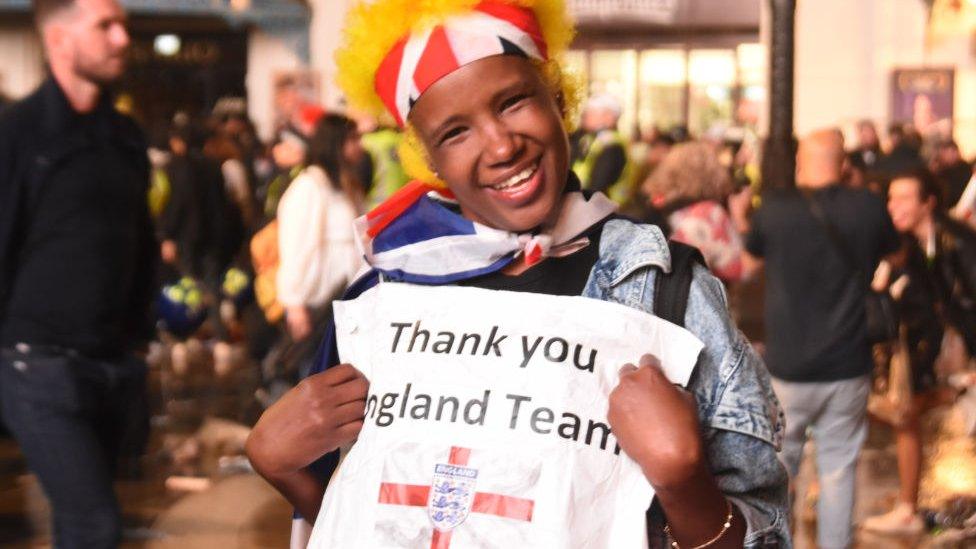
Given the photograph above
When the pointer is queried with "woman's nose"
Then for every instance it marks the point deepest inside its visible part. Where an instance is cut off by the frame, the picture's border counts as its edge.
(502, 145)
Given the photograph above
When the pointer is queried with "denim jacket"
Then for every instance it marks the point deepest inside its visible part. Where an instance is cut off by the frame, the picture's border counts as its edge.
(741, 420)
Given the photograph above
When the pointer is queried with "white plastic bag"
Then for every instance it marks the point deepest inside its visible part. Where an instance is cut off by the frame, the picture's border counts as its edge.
(486, 420)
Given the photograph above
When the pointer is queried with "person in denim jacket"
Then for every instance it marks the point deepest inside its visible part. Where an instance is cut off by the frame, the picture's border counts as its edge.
(492, 129)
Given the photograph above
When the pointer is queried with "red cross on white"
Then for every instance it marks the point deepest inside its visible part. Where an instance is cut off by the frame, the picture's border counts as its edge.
(417, 495)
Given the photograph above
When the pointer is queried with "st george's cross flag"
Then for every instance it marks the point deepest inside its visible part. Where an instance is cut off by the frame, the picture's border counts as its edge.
(439, 489)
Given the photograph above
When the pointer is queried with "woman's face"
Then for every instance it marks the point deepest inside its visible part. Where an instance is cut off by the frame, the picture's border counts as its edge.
(493, 132)
(352, 148)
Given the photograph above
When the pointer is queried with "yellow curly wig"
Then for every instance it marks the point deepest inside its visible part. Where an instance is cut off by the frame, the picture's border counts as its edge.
(372, 28)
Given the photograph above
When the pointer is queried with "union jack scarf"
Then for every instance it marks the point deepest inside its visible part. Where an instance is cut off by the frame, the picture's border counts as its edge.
(414, 237)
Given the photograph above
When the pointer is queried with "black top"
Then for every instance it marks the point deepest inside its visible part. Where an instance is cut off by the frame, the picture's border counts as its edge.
(76, 243)
(954, 179)
(814, 310)
(954, 271)
(199, 217)
(608, 168)
(918, 311)
(555, 276)
(902, 159)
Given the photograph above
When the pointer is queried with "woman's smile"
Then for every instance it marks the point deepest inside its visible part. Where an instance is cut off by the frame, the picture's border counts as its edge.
(519, 188)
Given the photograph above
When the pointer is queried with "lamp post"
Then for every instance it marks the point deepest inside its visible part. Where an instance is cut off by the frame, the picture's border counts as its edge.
(779, 160)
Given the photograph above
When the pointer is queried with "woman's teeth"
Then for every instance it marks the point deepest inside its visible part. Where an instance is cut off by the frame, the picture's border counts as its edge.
(516, 179)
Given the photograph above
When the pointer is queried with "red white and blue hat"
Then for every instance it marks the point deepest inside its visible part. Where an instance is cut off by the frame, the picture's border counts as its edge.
(419, 60)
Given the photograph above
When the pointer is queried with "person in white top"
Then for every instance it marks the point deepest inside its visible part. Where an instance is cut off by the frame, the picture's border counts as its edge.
(318, 254)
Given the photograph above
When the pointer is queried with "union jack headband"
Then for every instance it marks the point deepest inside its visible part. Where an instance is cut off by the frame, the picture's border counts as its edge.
(419, 60)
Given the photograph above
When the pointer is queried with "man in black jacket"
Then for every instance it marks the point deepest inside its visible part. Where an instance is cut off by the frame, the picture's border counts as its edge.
(76, 269)
(949, 246)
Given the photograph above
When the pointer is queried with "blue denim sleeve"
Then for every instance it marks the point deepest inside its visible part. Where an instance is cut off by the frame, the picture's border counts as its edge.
(741, 418)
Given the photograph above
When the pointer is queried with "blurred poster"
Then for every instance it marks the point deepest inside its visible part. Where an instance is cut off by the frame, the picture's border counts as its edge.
(924, 97)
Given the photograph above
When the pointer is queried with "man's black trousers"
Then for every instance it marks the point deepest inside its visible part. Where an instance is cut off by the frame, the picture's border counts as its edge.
(72, 416)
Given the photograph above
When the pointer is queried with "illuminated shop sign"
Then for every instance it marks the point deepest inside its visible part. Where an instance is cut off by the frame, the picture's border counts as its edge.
(172, 49)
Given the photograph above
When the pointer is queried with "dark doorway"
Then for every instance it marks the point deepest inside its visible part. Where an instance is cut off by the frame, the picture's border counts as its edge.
(200, 62)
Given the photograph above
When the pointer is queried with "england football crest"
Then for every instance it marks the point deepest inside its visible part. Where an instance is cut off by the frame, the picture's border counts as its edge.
(451, 495)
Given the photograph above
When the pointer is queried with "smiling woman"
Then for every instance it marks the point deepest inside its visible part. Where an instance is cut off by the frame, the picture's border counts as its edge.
(495, 136)
(478, 86)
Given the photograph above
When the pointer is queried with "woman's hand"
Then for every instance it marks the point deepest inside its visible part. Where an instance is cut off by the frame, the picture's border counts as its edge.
(656, 424)
(299, 322)
(320, 414)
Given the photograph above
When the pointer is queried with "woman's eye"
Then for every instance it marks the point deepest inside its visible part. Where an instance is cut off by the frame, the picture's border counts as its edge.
(450, 134)
(513, 101)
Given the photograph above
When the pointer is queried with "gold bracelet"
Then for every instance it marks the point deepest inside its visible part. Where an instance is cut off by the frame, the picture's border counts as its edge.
(709, 543)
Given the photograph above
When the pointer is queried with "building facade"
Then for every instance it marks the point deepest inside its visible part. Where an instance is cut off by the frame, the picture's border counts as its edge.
(850, 55)
(701, 64)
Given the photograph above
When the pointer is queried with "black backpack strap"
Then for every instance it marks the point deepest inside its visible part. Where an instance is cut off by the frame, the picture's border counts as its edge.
(671, 289)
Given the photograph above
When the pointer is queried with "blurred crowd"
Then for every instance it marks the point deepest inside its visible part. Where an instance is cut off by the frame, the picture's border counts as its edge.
(257, 239)
(868, 266)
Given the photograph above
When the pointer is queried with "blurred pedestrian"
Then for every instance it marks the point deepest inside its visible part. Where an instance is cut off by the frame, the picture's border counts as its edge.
(690, 186)
(868, 151)
(315, 229)
(951, 171)
(915, 291)
(638, 205)
(221, 148)
(387, 174)
(289, 156)
(817, 349)
(599, 152)
(192, 225)
(949, 248)
(905, 154)
(77, 255)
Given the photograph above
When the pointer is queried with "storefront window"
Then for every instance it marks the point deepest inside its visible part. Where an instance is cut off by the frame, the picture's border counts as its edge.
(752, 79)
(712, 78)
(615, 72)
(672, 86)
(663, 74)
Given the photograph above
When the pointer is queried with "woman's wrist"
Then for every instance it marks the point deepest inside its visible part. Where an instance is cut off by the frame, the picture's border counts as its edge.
(696, 510)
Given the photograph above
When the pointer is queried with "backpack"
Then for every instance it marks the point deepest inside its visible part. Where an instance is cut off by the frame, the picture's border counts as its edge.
(671, 289)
